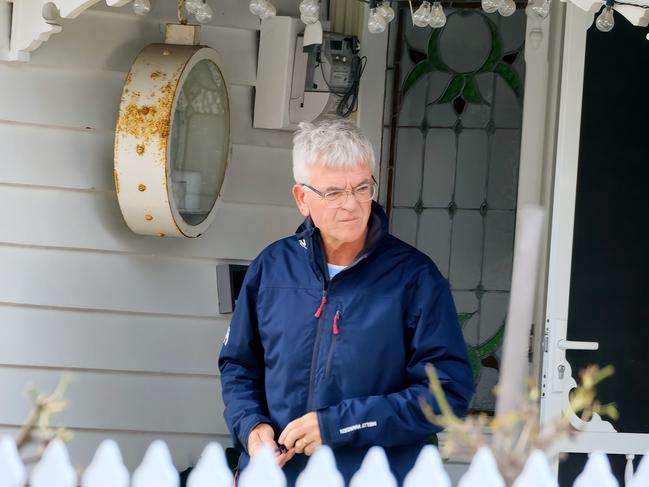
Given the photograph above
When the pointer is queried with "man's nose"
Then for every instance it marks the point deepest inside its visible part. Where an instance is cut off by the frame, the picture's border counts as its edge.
(351, 202)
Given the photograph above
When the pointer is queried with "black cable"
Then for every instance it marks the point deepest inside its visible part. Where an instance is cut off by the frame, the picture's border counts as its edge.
(630, 4)
(349, 101)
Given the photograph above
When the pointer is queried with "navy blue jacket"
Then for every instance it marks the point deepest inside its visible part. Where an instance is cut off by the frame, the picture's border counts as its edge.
(352, 348)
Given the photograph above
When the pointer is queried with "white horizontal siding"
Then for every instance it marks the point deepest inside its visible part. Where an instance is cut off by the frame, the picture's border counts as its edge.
(135, 318)
(120, 401)
(70, 338)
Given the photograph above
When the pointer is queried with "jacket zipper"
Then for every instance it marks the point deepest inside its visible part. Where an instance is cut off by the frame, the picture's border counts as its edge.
(335, 329)
(316, 346)
(319, 315)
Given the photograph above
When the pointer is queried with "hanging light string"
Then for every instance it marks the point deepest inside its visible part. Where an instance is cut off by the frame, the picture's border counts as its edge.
(200, 9)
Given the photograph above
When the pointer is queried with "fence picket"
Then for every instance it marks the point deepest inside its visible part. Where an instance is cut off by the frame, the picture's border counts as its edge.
(156, 468)
(536, 473)
(321, 471)
(596, 473)
(54, 468)
(482, 471)
(12, 470)
(212, 469)
(262, 470)
(641, 477)
(428, 470)
(374, 471)
(107, 468)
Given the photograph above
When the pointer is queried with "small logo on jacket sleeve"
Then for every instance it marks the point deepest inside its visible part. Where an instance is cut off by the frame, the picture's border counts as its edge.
(227, 337)
(302, 243)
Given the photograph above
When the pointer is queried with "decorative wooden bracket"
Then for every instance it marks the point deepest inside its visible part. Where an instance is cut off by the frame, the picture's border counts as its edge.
(31, 24)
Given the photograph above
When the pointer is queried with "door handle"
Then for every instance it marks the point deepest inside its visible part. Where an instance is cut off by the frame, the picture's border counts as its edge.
(574, 345)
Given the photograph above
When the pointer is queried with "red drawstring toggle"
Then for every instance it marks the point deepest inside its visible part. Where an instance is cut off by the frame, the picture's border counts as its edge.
(322, 303)
(336, 330)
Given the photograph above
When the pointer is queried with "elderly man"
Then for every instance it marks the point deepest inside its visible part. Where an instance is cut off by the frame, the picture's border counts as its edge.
(334, 325)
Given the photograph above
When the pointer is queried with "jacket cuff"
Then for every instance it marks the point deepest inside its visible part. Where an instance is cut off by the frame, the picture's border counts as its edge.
(247, 425)
(329, 427)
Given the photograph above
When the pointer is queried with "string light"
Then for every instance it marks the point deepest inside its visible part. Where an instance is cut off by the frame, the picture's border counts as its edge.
(606, 21)
(309, 11)
(438, 17)
(542, 8)
(141, 7)
(262, 9)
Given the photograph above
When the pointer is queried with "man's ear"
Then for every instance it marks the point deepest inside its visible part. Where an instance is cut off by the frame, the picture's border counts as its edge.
(299, 195)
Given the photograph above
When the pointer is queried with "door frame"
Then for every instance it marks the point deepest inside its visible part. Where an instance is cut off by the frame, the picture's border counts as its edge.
(596, 434)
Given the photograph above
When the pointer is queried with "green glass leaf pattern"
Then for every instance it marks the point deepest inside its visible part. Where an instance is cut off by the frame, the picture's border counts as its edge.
(484, 349)
(453, 89)
(464, 318)
(434, 57)
(471, 91)
(496, 52)
(415, 74)
(512, 78)
(474, 362)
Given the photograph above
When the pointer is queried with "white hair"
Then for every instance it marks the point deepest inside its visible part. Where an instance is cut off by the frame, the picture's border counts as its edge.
(332, 143)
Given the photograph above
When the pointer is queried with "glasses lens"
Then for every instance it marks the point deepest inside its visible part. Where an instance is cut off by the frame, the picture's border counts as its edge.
(335, 198)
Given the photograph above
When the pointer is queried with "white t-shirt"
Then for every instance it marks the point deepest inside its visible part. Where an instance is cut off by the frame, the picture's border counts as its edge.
(335, 269)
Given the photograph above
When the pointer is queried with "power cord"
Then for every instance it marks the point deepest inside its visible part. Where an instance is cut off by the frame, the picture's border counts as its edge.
(348, 103)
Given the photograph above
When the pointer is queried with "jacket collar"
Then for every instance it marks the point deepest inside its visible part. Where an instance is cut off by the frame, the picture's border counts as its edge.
(309, 237)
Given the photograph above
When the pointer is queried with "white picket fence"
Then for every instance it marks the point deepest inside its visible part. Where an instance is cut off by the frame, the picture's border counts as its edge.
(157, 470)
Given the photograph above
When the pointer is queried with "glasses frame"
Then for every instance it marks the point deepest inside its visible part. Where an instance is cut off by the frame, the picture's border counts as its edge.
(348, 192)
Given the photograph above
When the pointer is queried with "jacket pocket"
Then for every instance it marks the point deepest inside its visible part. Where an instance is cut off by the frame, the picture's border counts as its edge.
(335, 330)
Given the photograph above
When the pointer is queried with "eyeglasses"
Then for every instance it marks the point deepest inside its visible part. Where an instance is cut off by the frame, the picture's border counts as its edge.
(335, 198)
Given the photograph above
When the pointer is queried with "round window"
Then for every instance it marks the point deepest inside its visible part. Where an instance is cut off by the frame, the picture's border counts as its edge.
(172, 140)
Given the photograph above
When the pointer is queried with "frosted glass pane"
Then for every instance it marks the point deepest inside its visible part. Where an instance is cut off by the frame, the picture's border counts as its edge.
(404, 225)
(439, 167)
(434, 237)
(499, 250)
(473, 150)
(407, 179)
(466, 255)
(503, 169)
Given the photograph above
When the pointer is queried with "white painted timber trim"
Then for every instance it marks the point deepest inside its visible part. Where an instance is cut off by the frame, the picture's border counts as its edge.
(30, 28)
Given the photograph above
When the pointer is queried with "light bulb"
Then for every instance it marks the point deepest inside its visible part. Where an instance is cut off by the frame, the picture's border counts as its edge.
(376, 23)
(386, 11)
(490, 6)
(422, 16)
(204, 13)
(141, 7)
(310, 19)
(257, 7)
(192, 6)
(269, 11)
(507, 8)
(438, 17)
(310, 8)
(606, 20)
(542, 9)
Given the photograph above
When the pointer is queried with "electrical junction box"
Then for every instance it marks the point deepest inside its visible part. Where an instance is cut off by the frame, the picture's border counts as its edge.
(296, 86)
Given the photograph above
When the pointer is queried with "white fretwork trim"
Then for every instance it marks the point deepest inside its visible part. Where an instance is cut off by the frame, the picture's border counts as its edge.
(29, 26)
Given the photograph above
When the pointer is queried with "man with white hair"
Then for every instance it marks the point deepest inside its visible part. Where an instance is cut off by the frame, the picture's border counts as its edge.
(334, 325)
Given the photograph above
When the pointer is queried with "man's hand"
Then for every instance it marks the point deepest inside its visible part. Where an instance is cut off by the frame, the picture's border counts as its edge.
(302, 435)
(263, 434)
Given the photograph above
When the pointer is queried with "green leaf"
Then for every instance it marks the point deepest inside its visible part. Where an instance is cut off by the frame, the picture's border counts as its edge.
(415, 74)
(453, 90)
(471, 92)
(496, 51)
(434, 57)
(491, 345)
(474, 362)
(464, 318)
(510, 75)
